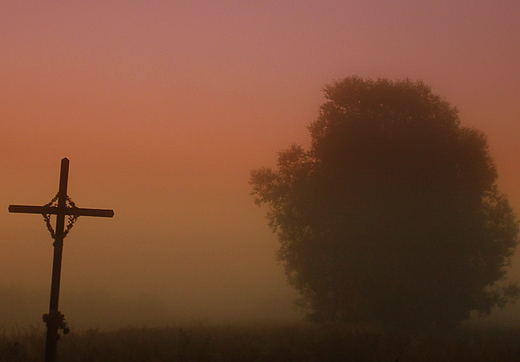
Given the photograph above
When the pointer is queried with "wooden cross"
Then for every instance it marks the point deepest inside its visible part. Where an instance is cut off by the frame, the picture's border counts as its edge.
(64, 206)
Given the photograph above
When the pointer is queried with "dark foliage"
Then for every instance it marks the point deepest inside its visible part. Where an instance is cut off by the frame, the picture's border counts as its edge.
(265, 343)
(392, 216)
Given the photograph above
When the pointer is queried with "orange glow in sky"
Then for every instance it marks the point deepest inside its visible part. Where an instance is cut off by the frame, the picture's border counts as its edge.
(164, 107)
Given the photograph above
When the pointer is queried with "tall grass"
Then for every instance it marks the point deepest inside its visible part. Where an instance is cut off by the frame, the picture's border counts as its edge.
(263, 342)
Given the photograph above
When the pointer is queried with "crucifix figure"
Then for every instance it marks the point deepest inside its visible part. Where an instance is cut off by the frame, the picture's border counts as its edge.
(61, 205)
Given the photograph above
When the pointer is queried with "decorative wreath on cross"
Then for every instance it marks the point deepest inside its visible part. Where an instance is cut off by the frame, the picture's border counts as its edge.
(71, 218)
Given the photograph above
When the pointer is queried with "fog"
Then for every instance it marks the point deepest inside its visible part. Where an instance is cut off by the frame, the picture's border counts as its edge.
(163, 109)
(150, 265)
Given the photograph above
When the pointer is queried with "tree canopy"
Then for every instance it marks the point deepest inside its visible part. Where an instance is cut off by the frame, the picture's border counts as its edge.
(392, 216)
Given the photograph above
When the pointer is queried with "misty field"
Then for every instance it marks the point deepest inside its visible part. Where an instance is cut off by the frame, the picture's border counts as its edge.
(259, 342)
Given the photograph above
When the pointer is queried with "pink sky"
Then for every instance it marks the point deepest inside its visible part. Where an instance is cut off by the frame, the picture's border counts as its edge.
(163, 108)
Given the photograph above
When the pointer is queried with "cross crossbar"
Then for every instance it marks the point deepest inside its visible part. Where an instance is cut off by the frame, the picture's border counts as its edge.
(54, 210)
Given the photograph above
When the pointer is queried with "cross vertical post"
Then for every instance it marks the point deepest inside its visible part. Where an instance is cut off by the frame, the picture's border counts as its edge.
(52, 328)
(64, 207)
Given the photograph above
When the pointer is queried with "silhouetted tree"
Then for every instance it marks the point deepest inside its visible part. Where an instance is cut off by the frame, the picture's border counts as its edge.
(392, 216)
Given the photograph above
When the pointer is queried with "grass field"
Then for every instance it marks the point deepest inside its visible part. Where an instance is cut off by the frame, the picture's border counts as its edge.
(257, 342)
